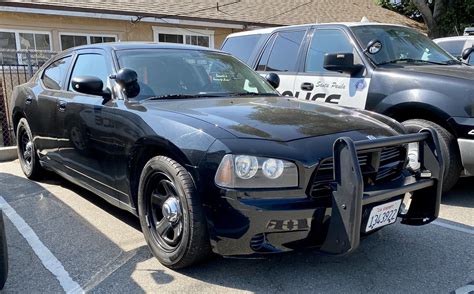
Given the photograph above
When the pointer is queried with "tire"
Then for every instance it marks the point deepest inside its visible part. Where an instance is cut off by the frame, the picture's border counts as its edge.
(3, 253)
(171, 215)
(449, 149)
(29, 160)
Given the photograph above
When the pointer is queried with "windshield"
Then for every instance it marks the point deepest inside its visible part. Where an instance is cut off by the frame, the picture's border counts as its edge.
(401, 44)
(178, 73)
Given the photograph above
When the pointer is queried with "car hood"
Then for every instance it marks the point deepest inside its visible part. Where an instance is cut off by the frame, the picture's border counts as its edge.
(464, 72)
(273, 118)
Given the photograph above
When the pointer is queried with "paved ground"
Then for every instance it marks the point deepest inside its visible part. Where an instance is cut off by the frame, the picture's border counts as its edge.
(102, 249)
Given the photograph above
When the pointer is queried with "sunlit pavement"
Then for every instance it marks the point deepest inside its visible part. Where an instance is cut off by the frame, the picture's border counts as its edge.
(102, 250)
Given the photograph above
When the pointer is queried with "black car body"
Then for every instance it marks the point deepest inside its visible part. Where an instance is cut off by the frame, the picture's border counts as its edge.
(109, 141)
(407, 77)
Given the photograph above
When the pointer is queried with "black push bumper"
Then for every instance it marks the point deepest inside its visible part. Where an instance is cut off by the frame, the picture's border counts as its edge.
(350, 195)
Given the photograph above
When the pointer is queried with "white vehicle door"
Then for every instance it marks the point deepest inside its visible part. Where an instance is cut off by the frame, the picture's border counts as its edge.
(280, 56)
(318, 84)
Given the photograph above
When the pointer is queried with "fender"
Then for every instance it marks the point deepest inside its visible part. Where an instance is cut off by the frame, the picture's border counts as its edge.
(420, 99)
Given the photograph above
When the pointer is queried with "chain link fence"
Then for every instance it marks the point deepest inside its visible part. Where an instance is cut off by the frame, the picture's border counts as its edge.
(16, 68)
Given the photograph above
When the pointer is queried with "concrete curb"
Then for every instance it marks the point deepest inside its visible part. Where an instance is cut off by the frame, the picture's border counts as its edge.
(8, 153)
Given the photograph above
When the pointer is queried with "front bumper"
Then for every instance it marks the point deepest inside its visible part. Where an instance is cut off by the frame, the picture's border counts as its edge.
(242, 224)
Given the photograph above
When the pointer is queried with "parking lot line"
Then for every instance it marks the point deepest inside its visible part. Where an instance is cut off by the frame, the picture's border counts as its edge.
(49, 261)
(453, 227)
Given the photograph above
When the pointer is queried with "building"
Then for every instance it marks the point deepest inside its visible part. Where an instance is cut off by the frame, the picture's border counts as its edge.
(59, 24)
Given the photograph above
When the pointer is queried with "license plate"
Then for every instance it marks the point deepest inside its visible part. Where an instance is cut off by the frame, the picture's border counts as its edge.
(383, 215)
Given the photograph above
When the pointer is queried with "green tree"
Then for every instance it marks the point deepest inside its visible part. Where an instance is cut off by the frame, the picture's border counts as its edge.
(441, 17)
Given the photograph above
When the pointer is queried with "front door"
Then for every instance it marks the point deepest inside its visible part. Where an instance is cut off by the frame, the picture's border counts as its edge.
(318, 84)
(87, 144)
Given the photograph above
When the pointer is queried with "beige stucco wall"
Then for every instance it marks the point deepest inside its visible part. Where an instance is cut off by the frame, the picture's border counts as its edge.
(124, 30)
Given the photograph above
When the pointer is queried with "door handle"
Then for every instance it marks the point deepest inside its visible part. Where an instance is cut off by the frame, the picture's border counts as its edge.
(307, 86)
(62, 105)
(28, 99)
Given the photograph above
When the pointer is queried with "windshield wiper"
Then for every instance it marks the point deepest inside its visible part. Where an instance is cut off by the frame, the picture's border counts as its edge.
(412, 60)
(179, 96)
(252, 94)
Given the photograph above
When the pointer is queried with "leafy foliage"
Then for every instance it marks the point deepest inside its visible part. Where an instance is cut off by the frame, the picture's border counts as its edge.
(451, 19)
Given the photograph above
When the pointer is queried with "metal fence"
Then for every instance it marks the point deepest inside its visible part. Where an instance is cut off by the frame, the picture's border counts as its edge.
(16, 68)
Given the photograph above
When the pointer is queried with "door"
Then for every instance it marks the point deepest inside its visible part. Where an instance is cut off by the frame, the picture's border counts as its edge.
(88, 143)
(280, 56)
(318, 84)
(42, 112)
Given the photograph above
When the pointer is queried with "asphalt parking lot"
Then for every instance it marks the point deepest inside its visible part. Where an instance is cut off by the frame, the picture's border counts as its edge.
(99, 248)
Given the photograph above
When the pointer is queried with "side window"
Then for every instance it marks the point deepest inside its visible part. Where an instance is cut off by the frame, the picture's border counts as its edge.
(90, 65)
(284, 52)
(241, 47)
(266, 53)
(55, 74)
(454, 47)
(327, 41)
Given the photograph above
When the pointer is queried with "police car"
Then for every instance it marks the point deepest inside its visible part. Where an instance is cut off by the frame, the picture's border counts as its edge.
(391, 69)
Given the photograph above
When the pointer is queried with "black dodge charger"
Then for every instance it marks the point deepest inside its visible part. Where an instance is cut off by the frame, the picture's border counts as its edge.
(211, 158)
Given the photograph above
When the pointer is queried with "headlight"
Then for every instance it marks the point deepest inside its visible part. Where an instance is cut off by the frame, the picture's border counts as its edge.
(243, 171)
(246, 166)
(414, 156)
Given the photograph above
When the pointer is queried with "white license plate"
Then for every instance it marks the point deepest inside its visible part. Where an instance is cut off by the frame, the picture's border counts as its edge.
(383, 215)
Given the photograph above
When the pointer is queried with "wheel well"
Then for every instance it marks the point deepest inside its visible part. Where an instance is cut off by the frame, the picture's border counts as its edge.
(17, 115)
(140, 155)
(409, 112)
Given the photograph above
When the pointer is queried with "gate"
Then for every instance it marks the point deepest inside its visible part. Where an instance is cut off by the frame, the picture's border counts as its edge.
(16, 68)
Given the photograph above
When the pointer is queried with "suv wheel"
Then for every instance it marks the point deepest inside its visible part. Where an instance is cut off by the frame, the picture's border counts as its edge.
(171, 215)
(449, 148)
(29, 161)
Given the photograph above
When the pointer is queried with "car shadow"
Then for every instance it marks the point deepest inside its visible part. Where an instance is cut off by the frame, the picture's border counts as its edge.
(400, 257)
(461, 195)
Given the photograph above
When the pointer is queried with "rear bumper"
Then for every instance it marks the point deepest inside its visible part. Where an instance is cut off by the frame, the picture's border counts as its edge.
(243, 225)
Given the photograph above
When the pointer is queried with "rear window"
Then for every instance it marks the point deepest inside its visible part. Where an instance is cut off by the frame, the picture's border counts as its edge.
(242, 46)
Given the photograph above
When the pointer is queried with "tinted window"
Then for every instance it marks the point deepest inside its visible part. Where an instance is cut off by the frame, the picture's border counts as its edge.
(241, 47)
(326, 41)
(91, 65)
(454, 47)
(55, 74)
(266, 53)
(285, 51)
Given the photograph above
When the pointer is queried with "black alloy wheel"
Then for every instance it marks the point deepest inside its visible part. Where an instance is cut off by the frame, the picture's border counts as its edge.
(171, 214)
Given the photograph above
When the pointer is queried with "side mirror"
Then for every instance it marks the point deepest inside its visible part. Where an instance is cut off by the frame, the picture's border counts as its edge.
(373, 47)
(90, 85)
(341, 62)
(127, 79)
(273, 79)
(465, 54)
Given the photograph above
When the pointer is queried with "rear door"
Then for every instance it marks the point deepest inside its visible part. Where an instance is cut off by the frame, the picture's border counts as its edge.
(42, 112)
(281, 55)
(318, 84)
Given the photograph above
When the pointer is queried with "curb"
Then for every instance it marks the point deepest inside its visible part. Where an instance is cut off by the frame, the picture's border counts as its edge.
(8, 153)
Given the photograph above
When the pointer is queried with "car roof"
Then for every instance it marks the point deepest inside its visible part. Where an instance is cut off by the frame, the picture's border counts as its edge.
(346, 24)
(139, 45)
(456, 38)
